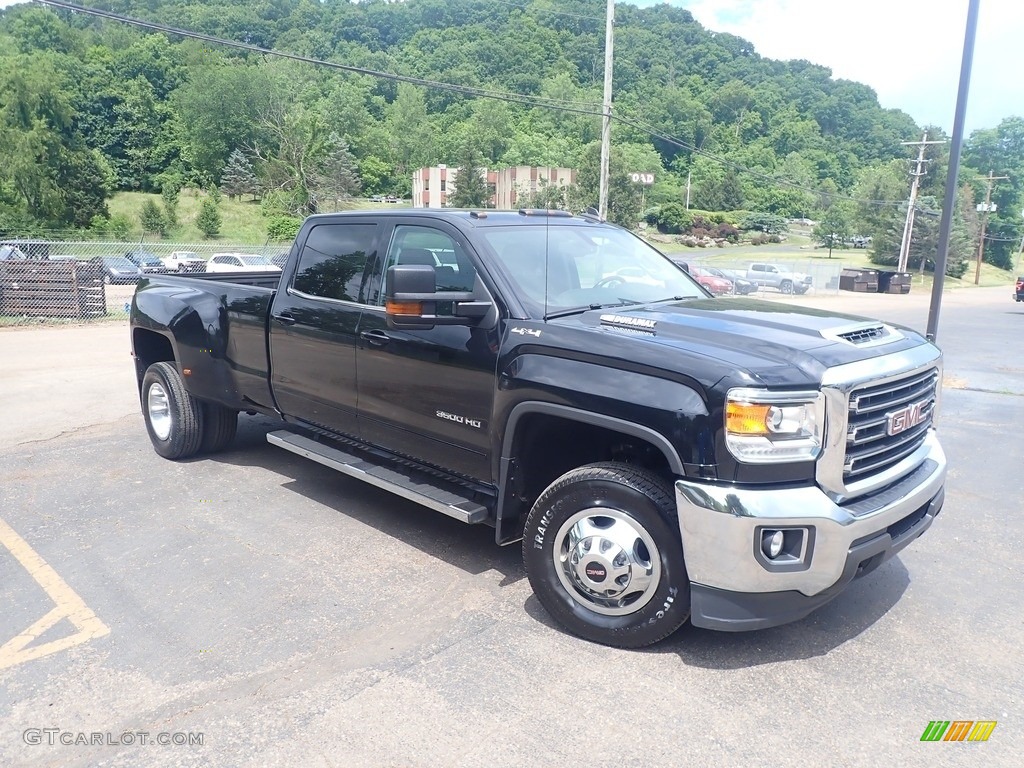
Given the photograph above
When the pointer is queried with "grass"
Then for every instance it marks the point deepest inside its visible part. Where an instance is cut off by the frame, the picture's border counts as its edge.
(803, 252)
(241, 220)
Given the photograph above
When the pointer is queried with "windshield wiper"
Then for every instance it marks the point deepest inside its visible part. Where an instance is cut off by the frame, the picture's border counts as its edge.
(587, 308)
(674, 298)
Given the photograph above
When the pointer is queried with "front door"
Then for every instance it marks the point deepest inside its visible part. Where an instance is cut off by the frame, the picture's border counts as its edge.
(313, 325)
(428, 394)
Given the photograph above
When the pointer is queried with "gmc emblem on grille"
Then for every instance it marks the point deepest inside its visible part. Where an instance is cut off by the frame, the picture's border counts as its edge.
(905, 418)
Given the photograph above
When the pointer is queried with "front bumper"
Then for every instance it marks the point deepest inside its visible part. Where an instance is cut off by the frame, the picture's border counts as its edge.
(735, 587)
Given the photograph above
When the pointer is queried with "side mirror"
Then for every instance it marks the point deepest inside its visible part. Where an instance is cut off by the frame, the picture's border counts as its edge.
(412, 299)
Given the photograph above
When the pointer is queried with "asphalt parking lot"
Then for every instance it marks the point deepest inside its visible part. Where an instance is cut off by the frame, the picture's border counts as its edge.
(283, 614)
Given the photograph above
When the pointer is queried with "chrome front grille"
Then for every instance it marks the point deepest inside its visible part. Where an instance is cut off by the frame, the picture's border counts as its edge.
(888, 422)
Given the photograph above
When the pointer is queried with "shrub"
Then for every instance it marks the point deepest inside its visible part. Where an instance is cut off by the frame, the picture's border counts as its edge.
(672, 219)
(283, 227)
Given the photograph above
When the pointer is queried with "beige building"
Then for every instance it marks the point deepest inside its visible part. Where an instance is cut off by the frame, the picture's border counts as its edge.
(432, 186)
(524, 180)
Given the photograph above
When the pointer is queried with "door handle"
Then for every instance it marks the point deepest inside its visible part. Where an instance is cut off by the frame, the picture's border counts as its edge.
(285, 319)
(376, 338)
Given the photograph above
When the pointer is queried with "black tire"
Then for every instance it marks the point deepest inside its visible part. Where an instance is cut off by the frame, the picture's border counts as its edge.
(181, 434)
(640, 501)
(786, 286)
(219, 427)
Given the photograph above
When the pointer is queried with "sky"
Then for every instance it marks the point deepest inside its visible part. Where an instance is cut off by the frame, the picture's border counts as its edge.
(908, 51)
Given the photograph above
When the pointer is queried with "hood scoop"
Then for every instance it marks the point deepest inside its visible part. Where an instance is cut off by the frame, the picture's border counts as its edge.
(869, 334)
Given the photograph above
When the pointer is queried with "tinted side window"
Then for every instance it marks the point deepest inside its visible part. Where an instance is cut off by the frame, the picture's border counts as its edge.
(425, 245)
(333, 261)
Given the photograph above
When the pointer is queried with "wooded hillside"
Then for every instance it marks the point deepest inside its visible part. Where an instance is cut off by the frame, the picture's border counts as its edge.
(88, 106)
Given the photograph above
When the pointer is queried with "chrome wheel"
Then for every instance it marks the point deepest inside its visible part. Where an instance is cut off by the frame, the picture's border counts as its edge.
(607, 561)
(159, 410)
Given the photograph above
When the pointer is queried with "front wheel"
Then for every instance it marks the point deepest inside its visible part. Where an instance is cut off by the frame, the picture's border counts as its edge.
(174, 419)
(603, 555)
(786, 286)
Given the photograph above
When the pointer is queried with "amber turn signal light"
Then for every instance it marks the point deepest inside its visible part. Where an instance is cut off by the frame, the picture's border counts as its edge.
(746, 418)
(404, 307)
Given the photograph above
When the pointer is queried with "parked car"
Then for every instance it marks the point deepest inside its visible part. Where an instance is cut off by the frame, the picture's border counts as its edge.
(740, 285)
(185, 261)
(117, 269)
(146, 261)
(774, 276)
(12, 253)
(1019, 291)
(241, 262)
(31, 249)
(719, 286)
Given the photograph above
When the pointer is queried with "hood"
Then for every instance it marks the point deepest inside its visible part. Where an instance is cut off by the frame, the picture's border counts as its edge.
(764, 339)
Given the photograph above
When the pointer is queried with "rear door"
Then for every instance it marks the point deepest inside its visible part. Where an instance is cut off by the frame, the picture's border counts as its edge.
(428, 394)
(314, 320)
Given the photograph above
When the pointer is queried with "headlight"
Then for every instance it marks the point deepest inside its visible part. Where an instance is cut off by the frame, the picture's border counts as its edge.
(764, 427)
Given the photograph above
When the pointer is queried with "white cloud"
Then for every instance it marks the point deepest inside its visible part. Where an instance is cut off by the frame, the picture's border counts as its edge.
(909, 51)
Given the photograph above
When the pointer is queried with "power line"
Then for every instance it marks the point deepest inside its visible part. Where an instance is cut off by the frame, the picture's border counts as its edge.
(658, 134)
(584, 108)
(587, 108)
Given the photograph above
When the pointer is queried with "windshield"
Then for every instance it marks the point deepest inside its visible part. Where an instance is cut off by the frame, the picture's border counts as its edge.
(118, 262)
(256, 261)
(586, 266)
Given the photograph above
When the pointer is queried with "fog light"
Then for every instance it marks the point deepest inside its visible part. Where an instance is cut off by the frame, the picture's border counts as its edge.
(771, 543)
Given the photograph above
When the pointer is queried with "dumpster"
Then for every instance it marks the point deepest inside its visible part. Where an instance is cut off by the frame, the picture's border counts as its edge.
(893, 282)
(859, 280)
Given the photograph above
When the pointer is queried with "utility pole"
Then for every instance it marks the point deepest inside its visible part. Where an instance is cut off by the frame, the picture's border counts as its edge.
(606, 110)
(688, 174)
(908, 226)
(953, 171)
(987, 207)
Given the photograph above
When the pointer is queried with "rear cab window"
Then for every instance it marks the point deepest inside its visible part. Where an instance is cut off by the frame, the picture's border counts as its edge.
(333, 260)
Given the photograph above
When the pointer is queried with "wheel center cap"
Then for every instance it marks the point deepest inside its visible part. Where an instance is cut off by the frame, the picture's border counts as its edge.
(596, 566)
(596, 571)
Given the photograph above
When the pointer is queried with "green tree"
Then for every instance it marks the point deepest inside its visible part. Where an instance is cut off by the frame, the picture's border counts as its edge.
(238, 177)
(208, 221)
(170, 193)
(334, 179)
(471, 190)
(152, 218)
(834, 227)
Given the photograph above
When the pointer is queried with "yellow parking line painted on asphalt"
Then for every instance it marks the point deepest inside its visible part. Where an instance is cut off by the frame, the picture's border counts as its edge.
(67, 605)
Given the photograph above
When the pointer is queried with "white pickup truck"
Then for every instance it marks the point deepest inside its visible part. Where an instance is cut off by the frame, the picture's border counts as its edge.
(185, 261)
(774, 276)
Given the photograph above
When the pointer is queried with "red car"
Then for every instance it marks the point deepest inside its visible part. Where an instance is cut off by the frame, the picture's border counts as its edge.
(717, 285)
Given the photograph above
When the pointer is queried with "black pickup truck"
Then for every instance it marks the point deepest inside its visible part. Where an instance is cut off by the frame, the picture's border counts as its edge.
(660, 453)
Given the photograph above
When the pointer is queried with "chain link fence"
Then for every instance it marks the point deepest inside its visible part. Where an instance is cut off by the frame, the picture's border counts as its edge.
(66, 281)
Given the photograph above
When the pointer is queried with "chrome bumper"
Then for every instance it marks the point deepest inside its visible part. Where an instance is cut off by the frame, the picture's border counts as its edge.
(721, 527)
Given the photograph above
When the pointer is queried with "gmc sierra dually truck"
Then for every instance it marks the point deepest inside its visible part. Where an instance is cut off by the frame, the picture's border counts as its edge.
(660, 453)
